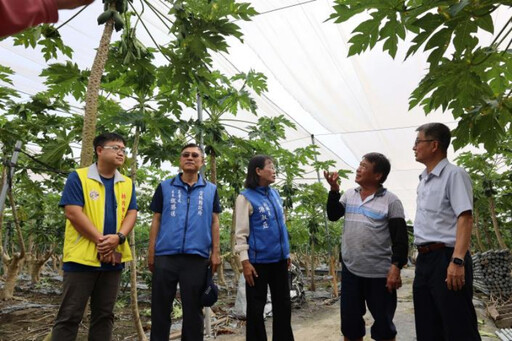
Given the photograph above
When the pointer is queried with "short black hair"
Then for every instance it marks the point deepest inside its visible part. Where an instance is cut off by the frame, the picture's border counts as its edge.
(437, 131)
(258, 161)
(102, 139)
(380, 163)
(192, 145)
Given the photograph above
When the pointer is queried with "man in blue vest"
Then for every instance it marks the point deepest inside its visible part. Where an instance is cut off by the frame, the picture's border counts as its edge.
(101, 210)
(184, 239)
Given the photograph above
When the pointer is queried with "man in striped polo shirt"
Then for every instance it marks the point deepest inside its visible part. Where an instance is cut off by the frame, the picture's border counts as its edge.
(374, 248)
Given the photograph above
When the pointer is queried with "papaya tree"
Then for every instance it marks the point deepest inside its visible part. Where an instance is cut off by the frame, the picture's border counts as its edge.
(32, 122)
(111, 18)
(466, 76)
(491, 181)
(142, 124)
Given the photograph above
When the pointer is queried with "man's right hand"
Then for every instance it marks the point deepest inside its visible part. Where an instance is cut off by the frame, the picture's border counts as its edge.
(249, 272)
(151, 261)
(332, 180)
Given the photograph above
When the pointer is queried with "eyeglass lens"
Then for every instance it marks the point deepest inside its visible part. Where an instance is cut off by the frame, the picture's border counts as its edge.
(188, 154)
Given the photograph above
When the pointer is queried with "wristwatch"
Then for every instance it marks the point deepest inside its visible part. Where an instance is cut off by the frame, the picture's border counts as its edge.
(458, 261)
(122, 238)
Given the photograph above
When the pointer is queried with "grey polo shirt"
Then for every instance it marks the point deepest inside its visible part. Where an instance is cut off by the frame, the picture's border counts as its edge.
(443, 195)
(366, 241)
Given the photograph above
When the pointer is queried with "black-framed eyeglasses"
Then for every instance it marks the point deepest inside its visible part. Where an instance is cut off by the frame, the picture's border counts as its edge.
(116, 149)
(419, 141)
(188, 154)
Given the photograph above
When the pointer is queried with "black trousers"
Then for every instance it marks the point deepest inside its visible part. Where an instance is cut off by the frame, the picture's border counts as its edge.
(190, 272)
(275, 275)
(441, 314)
(102, 287)
(357, 293)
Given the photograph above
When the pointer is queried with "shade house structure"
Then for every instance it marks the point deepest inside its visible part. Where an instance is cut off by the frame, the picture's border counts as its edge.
(348, 106)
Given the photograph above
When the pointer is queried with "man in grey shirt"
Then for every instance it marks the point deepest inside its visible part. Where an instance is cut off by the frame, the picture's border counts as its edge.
(443, 284)
(374, 248)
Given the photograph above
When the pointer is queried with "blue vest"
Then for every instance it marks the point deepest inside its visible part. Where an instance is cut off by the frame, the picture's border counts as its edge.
(268, 236)
(186, 223)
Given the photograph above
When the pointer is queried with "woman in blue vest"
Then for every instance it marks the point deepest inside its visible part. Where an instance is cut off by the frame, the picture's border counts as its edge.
(262, 243)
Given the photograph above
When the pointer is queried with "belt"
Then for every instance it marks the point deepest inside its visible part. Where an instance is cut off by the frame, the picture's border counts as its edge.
(426, 248)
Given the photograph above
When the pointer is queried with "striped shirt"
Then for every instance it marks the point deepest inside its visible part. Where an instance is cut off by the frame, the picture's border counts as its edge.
(366, 241)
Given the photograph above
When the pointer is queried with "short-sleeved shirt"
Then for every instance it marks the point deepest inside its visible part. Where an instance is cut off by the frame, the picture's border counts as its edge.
(366, 241)
(73, 195)
(157, 203)
(442, 195)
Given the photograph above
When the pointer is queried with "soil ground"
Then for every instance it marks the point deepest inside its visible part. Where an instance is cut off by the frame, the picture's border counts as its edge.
(321, 322)
(30, 315)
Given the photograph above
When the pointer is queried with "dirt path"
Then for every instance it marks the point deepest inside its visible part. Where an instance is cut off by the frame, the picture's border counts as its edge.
(324, 324)
(317, 320)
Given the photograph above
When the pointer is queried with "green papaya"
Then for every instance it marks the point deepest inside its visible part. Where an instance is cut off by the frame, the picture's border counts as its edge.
(118, 21)
(105, 16)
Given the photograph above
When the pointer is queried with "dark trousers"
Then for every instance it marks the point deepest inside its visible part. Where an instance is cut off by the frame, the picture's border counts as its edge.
(102, 287)
(190, 272)
(441, 314)
(356, 293)
(275, 275)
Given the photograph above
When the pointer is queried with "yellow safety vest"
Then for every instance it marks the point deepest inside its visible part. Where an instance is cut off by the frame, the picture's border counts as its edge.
(81, 250)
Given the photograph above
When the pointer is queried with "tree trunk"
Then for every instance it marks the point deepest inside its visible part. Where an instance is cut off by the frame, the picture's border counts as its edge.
(17, 224)
(492, 209)
(133, 263)
(36, 263)
(13, 263)
(303, 260)
(332, 271)
(476, 229)
(13, 267)
(213, 167)
(35, 270)
(91, 97)
(234, 260)
(312, 286)
(490, 242)
(55, 266)
(4, 174)
(220, 271)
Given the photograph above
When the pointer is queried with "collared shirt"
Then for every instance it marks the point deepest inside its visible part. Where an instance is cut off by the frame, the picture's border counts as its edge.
(366, 241)
(73, 195)
(442, 195)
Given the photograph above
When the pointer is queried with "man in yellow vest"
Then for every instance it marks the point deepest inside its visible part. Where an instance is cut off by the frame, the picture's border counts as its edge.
(101, 210)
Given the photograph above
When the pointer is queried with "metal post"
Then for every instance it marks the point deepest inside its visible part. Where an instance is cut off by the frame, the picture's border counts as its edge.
(5, 185)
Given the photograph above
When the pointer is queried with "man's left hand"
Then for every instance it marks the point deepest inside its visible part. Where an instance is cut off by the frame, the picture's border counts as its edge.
(108, 258)
(394, 281)
(107, 243)
(455, 277)
(215, 261)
